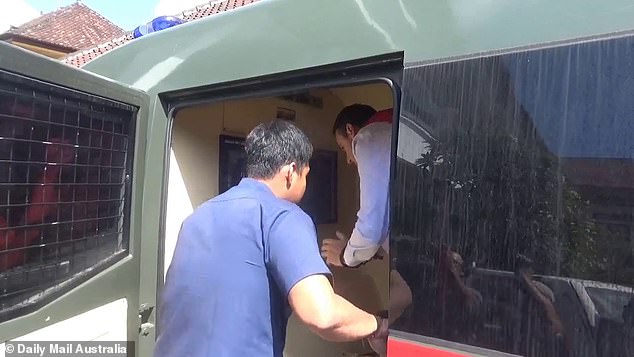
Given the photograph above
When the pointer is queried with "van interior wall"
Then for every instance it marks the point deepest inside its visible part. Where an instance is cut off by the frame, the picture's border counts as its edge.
(193, 179)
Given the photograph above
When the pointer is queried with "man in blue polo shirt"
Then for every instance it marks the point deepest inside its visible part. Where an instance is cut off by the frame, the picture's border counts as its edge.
(247, 258)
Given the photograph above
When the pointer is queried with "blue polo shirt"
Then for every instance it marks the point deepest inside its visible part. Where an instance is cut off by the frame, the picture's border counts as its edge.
(236, 259)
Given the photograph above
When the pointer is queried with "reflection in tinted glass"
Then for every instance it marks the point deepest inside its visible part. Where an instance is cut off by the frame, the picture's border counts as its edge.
(514, 201)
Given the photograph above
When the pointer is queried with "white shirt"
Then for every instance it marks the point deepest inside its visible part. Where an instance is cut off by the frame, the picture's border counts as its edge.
(371, 148)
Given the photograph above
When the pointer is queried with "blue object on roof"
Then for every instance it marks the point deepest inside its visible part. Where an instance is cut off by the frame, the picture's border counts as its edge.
(158, 24)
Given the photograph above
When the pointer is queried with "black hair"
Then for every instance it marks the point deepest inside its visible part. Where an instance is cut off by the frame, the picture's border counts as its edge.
(269, 146)
(355, 114)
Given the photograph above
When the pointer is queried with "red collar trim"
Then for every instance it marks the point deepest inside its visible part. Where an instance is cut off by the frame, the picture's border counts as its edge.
(383, 116)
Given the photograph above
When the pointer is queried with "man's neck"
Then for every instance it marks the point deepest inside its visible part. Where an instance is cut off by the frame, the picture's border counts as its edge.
(274, 186)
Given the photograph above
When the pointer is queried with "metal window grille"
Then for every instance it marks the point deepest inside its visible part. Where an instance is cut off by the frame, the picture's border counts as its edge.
(65, 167)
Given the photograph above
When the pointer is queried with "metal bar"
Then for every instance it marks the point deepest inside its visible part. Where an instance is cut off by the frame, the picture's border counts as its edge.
(63, 191)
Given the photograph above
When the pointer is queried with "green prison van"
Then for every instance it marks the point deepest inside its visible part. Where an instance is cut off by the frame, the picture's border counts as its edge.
(512, 172)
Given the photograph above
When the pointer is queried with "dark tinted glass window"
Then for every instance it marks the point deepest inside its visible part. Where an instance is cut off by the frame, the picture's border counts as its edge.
(514, 200)
(65, 161)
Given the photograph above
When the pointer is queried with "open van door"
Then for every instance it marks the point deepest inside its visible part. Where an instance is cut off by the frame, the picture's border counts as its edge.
(70, 142)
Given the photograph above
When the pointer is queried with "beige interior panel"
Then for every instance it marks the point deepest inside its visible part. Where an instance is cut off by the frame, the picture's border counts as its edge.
(193, 179)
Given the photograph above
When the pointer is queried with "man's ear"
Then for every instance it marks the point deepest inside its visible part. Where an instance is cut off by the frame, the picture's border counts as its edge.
(294, 169)
(350, 132)
(290, 173)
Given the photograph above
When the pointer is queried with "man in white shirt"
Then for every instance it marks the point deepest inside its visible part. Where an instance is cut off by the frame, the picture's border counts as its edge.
(365, 136)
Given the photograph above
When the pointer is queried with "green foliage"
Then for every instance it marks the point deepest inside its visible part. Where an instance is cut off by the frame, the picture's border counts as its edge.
(501, 195)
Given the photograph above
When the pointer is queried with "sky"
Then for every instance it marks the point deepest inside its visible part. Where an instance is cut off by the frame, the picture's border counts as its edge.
(582, 109)
(127, 14)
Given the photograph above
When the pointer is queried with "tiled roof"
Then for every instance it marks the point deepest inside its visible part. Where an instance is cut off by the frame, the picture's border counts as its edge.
(72, 27)
(80, 58)
(612, 173)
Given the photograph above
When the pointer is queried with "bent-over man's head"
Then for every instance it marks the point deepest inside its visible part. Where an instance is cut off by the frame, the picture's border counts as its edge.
(278, 154)
(347, 124)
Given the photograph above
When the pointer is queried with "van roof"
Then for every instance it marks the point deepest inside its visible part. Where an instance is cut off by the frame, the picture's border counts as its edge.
(271, 36)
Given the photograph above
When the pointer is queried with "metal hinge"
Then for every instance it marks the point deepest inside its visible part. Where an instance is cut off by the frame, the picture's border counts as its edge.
(145, 310)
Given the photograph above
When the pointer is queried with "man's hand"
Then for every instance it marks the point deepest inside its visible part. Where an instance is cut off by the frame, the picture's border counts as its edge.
(332, 249)
(378, 340)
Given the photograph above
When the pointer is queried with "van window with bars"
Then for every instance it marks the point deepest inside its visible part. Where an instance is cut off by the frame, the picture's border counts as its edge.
(65, 164)
(514, 198)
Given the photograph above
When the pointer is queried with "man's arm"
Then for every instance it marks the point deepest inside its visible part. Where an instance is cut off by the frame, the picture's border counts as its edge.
(300, 272)
(329, 315)
(372, 152)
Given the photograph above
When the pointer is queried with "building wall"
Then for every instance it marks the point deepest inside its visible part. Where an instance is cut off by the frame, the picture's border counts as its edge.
(49, 52)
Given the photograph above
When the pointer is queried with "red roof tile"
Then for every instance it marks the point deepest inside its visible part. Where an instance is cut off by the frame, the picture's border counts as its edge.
(80, 58)
(73, 27)
(613, 173)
